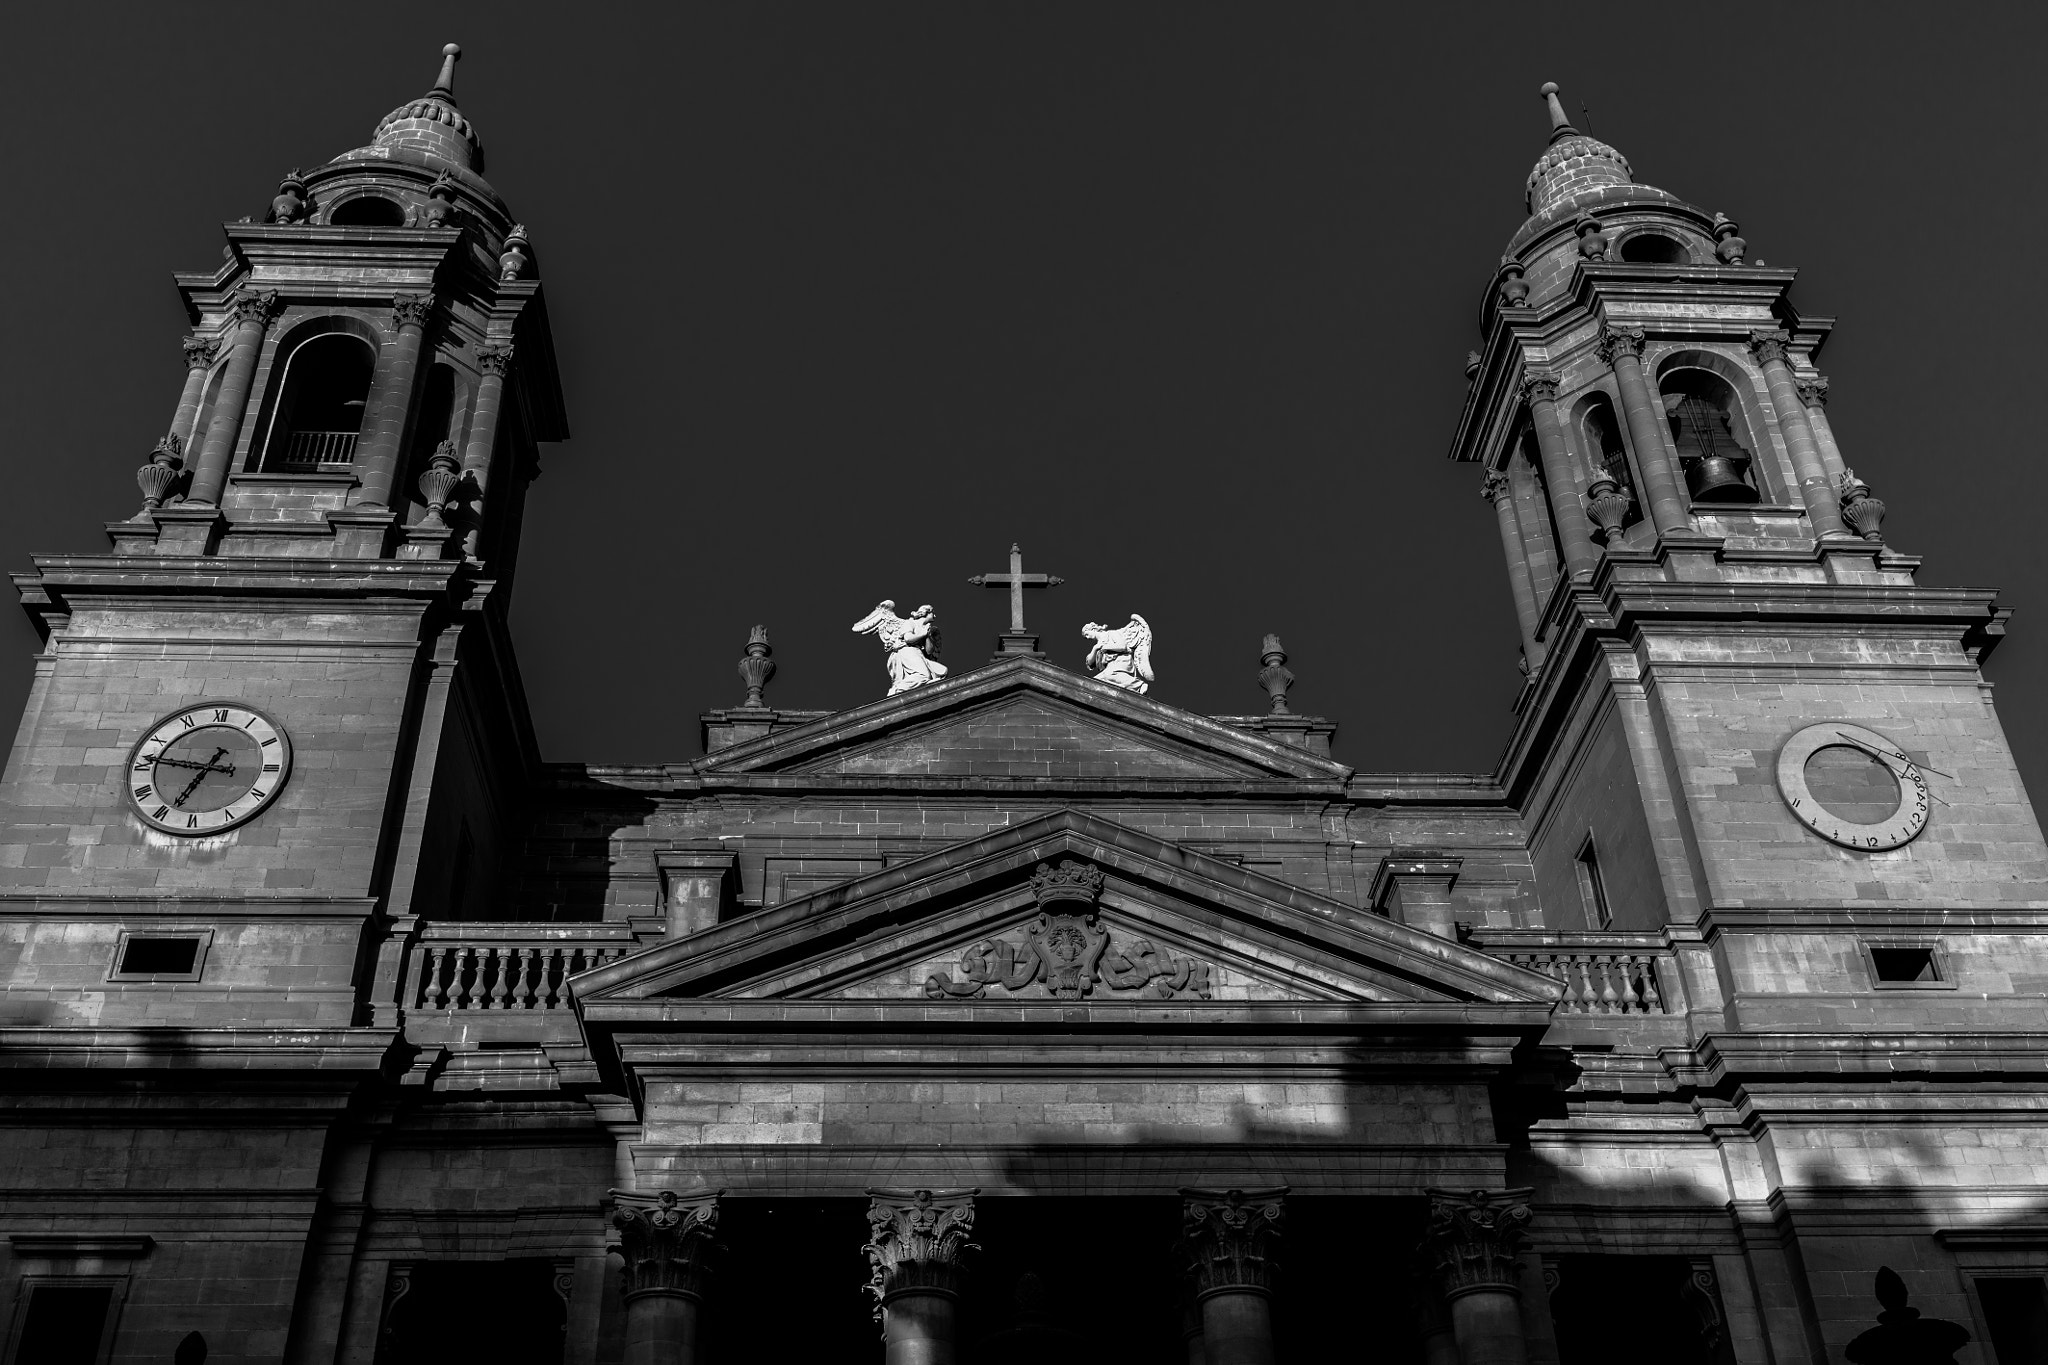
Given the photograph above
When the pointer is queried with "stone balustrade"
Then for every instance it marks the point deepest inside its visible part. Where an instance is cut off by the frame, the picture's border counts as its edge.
(1603, 973)
(501, 967)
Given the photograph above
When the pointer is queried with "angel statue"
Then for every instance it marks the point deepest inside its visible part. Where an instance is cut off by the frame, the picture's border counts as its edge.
(912, 642)
(1121, 657)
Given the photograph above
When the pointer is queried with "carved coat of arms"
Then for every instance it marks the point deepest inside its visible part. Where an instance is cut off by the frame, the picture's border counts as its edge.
(1068, 953)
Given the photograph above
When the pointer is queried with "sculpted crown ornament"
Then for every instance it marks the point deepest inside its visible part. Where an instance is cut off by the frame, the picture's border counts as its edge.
(1070, 881)
(917, 1241)
(666, 1240)
(1231, 1238)
(1473, 1238)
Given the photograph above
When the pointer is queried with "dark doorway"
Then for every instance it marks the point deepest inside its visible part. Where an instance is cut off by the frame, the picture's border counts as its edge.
(450, 1302)
(1346, 1268)
(2016, 1315)
(1101, 1287)
(789, 1290)
(1641, 1300)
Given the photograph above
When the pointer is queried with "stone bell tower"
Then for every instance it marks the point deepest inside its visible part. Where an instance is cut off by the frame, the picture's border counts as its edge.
(1740, 705)
(315, 588)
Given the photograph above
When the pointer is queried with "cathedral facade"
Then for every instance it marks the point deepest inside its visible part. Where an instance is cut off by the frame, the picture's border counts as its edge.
(1020, 1010)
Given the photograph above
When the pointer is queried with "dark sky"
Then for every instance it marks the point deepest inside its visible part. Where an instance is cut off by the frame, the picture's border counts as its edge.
(850, 296)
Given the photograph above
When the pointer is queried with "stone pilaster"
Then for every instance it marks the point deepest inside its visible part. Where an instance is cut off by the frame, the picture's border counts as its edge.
(668, 1243)
(1561, 476)
(1230, 1240)
(254, 311)
(1816, 489)
(1472, 1247)
(390, 403)
(1499, 492)
(917, 1248)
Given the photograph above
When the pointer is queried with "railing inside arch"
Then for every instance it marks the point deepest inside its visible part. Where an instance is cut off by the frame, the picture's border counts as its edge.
(508, 966)
(319, 450)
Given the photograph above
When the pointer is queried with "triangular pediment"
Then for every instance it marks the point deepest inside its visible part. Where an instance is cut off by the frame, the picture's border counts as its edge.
(967, 924)
(1024, 719)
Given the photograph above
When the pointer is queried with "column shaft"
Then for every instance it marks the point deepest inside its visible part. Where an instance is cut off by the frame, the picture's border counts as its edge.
(199, 354)
(919, 1329)
(1645, 418)
(390, 402)
(210, 474)
(661, 1329)
(1815, 489)
(1237, 1327)
(1488, 1326)
(1561, 477)
(483, 434)
(1473, 1243)
(1496, 491)
(1534, 519)
(1814, 394)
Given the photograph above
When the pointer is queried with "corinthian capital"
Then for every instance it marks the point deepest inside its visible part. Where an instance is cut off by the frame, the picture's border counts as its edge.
(1768, 346)
(257, 306)
(1231, 1238)
(1472, 1238)
(666, 1240)
(917, 1240)
(411, 310)
(1539, 388)
(1813, 392)
(494, 357)
(200, 351)
(1495, 486)
(1616, 342)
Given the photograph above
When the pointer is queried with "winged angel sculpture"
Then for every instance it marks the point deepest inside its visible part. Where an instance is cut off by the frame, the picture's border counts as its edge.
(912, 644)
(1122, 657)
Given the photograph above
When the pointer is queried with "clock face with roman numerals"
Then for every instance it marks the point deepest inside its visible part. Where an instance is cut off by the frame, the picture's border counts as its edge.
(208, 768)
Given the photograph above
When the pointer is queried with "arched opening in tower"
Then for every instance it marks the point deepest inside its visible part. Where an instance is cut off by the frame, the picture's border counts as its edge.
(320, 409)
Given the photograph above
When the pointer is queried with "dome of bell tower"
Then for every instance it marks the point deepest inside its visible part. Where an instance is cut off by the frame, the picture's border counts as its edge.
(432, 125)
(1574, 163)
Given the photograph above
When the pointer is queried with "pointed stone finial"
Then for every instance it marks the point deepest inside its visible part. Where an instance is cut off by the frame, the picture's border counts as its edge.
(1560, 126)
(444, 84)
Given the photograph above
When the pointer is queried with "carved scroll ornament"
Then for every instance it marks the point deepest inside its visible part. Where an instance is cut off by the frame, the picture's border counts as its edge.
(1070, 954)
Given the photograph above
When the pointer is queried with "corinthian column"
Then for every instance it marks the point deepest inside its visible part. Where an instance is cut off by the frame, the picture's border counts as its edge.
(253, 315)
(1560, 477)
(199, 354)
(1815, 489)
(1231, 1239)
(494, 360)
(1500, 493)
(1814, 394)
(390, 402)
(917, 1241)
(666, 1240)
(1471, 1245)
(1623, 350)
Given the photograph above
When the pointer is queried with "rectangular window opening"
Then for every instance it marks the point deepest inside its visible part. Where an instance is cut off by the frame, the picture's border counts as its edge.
(64, 1324)
(1905, 965)
(1593, 887)
(2015, 1318)
(159, 956)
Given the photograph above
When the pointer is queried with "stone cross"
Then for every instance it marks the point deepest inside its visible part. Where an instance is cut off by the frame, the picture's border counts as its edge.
(1016, 641)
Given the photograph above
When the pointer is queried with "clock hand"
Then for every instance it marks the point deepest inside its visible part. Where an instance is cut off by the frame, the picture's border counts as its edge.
(1879, 753)
(200, 776)
(208, 767)
(1901, 757)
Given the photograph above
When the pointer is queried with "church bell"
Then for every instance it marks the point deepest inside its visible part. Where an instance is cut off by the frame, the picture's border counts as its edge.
(1716, 468)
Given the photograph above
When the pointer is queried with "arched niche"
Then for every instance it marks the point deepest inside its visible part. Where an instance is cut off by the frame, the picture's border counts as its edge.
(321, 388)
(1603, 437)
(1710, 401)
(1654, 248)
(368, 210)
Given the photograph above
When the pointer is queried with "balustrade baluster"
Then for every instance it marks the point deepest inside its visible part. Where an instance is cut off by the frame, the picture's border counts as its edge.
(462, 976)
(533, 978)
(510, 963)
(1653, 1002)
(1631, 1000)
(423, 998)
(1610, 999)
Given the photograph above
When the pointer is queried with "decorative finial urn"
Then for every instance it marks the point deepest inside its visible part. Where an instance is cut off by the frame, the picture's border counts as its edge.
(516, 262)
(1729, 247)
(1859, 509)
(160, 475)
(1275, 677)
(757, 668)
(437, 484)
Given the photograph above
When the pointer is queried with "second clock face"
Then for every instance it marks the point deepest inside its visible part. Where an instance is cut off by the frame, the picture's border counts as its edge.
(207, 769)
(1853, 787)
